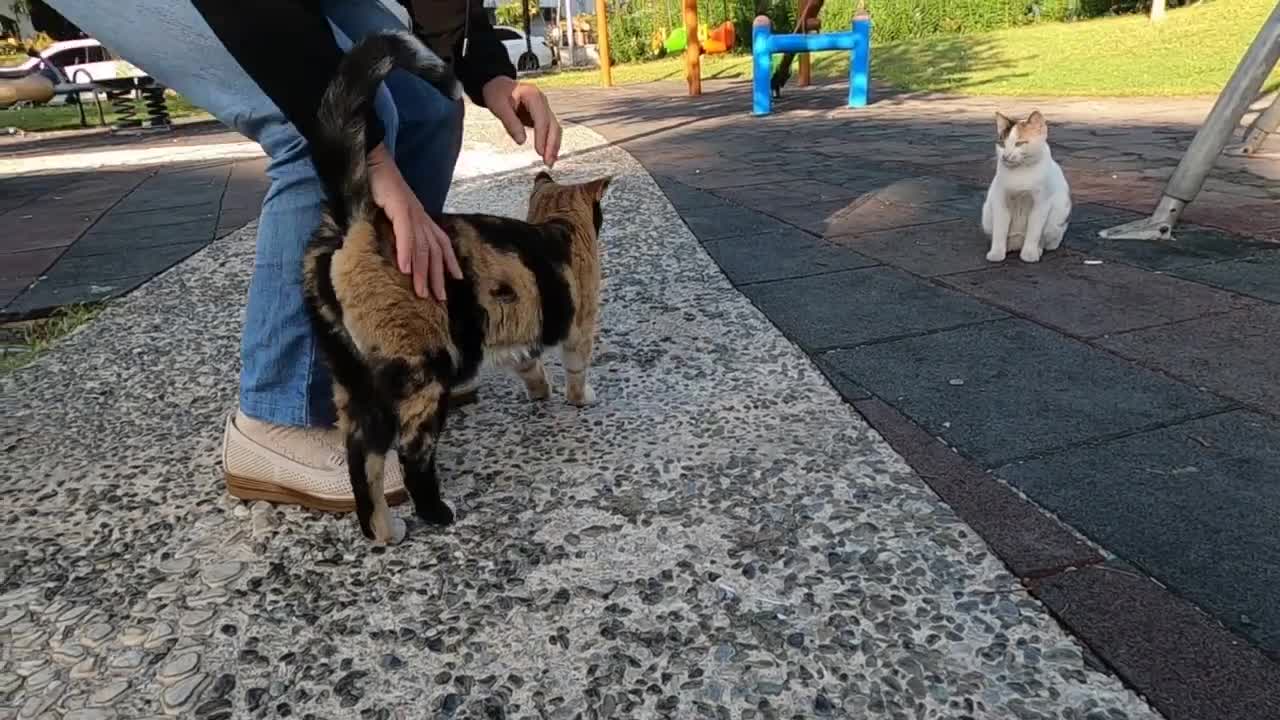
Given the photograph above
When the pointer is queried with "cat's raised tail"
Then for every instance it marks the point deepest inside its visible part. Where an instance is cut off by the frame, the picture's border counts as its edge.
(339, 151)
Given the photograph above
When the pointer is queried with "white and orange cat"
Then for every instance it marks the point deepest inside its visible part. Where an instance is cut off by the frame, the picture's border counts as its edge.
(1029, 202)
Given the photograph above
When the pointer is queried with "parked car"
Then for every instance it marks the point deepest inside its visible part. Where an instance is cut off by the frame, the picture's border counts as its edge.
(517, 49)
(78, 61)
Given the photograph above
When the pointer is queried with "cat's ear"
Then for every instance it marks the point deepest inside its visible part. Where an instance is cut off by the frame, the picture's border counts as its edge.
(597, 187)
(1037, 125)
(1003, 125)
(542, 178)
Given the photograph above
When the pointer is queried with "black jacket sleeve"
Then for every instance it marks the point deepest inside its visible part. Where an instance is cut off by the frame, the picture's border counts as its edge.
(287, 47)
(485, 57)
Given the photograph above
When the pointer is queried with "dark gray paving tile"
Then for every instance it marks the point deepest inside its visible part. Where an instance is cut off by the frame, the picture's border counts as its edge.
(859, 306)
(758, 257)
(1191, 246)
(27, 265)
(1032, 543)
(1182, 661)
(1092, 300)
(1195, 505)
(98, 242)
(767, 198)
(1258, 276)
(43, 295)
(103, 269)
(848, 389)
(869, 214)
(132, 221)
(685, 198)
(1009, 389)
(1234, 355)
(729, 221)
(930, 250)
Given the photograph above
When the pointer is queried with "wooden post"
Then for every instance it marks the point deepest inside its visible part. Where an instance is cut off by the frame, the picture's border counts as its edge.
(692, 48)
(602, 44)
(804, 77)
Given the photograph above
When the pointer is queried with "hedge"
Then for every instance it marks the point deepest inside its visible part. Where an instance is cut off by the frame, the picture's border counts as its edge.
(633, 24)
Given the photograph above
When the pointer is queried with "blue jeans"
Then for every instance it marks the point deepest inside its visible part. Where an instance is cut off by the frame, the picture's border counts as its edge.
(283, 379)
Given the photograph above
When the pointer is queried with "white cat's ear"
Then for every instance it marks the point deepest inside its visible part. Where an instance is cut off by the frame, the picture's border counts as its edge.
(1003, 124)
(1037, 124)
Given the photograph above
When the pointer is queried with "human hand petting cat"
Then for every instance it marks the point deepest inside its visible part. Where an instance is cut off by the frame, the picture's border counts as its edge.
(422, 248)
(521, 105)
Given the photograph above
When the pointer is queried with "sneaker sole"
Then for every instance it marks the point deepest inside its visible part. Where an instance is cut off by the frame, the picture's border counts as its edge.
(246, 489)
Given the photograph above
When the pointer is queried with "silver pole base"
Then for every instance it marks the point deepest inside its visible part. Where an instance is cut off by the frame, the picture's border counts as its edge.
(1157, 227)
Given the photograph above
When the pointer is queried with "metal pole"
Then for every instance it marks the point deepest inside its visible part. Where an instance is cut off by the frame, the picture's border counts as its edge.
(1188, 178)
(602, 44)
(1267, 122)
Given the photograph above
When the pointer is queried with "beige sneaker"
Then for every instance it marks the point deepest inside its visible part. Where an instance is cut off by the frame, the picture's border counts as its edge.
(295, 466)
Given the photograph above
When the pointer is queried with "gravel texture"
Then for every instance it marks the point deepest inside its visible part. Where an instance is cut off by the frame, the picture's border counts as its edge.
(720, 536)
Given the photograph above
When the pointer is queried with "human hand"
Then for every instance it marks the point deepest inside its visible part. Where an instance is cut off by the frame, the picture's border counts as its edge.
(422, 248)
(521, 105)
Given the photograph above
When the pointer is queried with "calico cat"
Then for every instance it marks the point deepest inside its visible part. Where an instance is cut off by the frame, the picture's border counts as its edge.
(1029, 202)
(527, 285)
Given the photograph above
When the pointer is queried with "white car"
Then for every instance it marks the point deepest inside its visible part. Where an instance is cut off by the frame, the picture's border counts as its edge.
(514, 41)
(80, 61)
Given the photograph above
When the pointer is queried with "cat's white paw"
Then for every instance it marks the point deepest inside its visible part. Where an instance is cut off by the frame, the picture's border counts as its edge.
(582, 398)
(398, 530)
(1030, 254)
(995, 256)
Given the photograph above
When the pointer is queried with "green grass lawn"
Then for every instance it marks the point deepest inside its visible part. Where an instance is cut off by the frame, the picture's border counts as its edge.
(67, 117)
(1191, 53)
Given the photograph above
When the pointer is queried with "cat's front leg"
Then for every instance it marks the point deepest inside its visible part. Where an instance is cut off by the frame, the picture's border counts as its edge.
(1031, 245)
(999, 228)
(577, 359)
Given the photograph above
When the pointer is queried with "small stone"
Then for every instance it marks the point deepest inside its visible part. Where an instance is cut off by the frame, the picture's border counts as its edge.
(96, 634)
(223, 573)
(12, 616)
(71, 614)
(9, 682)
(164, 590)
(85, 669)
(90, 714)
(769, 688)
(133, 636)
(956, 381)
(159, 635)
(178, 667)
(42, 678)
(68, 654)
(796, 640)
(108, 693)
(175, 566)
(127, 661)
(223, 686)
(215, 707)
(195, 618)
(36, 705)
(822, 705)
(27, 668)
(452, 702)
(254, 698)
(391, 662)
(180, 694)
(277, 688)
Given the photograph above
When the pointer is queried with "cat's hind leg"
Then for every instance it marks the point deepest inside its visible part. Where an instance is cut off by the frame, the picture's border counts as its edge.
(534, 375)
(422, 416)
(1055, 228)
(577, 360)
(369, 436)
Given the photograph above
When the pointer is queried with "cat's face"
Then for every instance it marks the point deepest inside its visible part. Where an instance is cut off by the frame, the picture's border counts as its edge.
(1020, 143)
(579, 204)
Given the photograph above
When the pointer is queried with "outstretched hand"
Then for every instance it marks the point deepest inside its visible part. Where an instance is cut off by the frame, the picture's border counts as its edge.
(521, 105)
(422, 248)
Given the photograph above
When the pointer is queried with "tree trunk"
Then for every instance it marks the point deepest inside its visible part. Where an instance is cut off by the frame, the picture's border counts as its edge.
(1157, 11)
